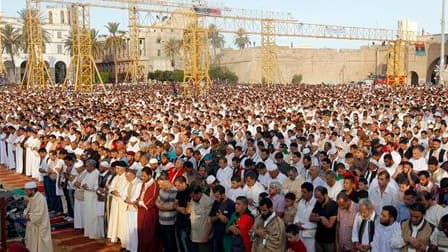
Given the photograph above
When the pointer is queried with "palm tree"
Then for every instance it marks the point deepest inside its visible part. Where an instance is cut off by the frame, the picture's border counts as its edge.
(241, 39)
(11, 41)
(114, 42)
(97, 46)
(24, 36)
(216, 39)
(171, 48)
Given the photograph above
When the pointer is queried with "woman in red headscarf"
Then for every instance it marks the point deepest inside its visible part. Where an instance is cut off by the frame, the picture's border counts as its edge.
(148, 214)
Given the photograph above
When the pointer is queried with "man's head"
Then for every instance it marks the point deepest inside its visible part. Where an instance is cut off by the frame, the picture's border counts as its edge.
(292, 232)
(30, 189)
(330, 177)
(343, 200)
(265, 208)
(409, 197)
(443, 224)
(181, 183)
(290, 199)
(433, 164)
(417, 212)
(196, 193)
(424, 198)
(274, 188)
(366, 208)
(241, 204)
(383, 179)
(307, 191)
(388, 215)
(131, 175)
(219, 192)
(423, 177)
(250, 177)
(321, 194)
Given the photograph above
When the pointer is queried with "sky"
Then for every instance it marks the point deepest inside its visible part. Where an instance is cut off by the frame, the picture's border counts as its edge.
(363, 13)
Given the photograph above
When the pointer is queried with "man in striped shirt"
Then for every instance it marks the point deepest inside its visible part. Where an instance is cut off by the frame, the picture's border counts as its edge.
(167, 212)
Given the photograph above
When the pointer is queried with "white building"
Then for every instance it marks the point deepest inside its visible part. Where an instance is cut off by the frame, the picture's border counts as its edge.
(56, 23)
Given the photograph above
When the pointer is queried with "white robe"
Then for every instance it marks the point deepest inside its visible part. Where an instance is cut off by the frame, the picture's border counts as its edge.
(11, 148)
(28, 155)
(78, 211)
(117, 223)
(36, 160)
(132, 212)
(19, 154)
(38, 229)
(91, 218)
(3, 153)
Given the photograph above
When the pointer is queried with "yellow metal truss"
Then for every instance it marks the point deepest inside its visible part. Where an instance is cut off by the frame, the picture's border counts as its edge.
(2, 65)
(396, 74)
(196, 59)
(36, 71)
(82, 68)
(134, 69)
(269, 61)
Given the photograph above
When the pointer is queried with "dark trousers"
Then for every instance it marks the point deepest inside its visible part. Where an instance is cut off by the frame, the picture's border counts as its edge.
(53, 201)
(218, 245)
(167, 234)
(70, 197)
(201, 247)
(325, 247)
(183, 239)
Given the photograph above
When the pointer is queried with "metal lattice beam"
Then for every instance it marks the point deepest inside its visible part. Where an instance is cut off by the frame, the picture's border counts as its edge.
(134, 70)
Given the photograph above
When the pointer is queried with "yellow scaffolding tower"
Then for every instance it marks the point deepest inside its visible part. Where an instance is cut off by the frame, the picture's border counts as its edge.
(395, 72)
(134, 69)
(83, 68)
(196, 58)
(2, 65)
(269, 61)
(36, 71)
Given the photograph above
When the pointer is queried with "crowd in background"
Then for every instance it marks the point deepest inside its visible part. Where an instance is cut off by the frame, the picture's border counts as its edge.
(247, 168)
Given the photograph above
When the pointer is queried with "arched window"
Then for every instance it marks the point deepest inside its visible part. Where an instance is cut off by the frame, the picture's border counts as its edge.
(50, 17)
(62, 17)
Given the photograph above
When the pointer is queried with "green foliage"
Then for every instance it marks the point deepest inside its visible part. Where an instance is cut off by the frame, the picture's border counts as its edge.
(297, 79)
(176, 75)
(105, 76)
(222, 74)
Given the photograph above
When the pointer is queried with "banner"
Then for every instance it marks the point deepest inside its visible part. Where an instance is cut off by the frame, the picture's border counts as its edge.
(420, 49)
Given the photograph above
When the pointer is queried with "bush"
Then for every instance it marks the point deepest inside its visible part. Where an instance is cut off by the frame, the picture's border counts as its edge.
(176, 75)
(297, 79)
(105, 76)
(222, 74)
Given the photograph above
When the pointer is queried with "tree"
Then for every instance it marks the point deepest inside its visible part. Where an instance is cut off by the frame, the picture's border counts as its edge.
(97, 46)
(11, 41)
(216, 39)
(222, 74)
(241, 39)
(171, 48)
(24, 35)
(297, 79)
(114, 43)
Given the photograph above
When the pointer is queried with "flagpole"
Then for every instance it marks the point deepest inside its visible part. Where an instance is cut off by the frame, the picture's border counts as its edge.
(442, 46)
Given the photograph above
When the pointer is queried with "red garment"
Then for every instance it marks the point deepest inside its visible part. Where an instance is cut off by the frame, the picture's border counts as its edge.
(174, 173)
(147, 221)
(297, 246)
(245, 223)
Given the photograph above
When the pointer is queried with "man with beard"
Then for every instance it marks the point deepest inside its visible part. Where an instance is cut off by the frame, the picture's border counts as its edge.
(385, 230)
(439, 238)
(268, 230)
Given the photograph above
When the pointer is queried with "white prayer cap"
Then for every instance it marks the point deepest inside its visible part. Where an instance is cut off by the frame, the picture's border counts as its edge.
(375, 162)
(133, 139)
(72, 138)
(230, 146)
(30, 185)
(79, 164)
(153, 161)
(271, 166)
(210, 180)
(438, 114)
(105, 164)
(445, 135)
(306, 151)
(346, 130)
(332, 151)
(314, 144)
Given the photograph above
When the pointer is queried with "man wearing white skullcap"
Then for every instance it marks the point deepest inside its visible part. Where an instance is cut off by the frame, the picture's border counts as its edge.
(38, 228)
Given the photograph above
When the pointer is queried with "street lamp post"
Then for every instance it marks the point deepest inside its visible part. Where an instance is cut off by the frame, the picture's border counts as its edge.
(442, 46)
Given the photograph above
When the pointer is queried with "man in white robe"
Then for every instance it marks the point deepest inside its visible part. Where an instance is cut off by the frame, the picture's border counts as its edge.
(38, 228)
(92, 228)
(3, 153)
(132, 190)
(78, 209)
(117, 222)
(11, 150)
(28, 152)
(19, 150)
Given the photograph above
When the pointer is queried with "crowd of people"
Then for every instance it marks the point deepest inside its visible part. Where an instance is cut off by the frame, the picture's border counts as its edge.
(247, 168)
